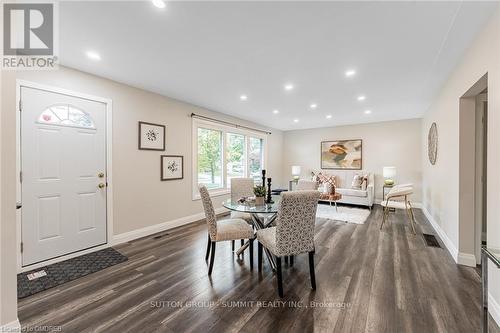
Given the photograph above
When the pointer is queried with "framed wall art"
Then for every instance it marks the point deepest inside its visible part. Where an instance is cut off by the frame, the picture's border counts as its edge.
(151, 136)
(172, 167)
(342, 154)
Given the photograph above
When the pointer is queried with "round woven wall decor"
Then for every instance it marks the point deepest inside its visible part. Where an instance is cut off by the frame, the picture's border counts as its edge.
(432, 143)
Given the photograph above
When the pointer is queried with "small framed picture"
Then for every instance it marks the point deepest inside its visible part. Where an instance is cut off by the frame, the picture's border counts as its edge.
(151, 136)
(172, 167)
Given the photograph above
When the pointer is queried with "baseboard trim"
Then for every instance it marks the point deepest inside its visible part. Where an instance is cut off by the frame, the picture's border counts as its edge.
(447, 242)
(494, 309)
(13, 326)
(466, 259)
(147, 231)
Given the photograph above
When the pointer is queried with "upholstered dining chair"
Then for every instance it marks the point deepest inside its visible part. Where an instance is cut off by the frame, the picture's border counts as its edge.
(399, 198)
(241, 187)
(293, 233)
(307, 185)
(223, 230)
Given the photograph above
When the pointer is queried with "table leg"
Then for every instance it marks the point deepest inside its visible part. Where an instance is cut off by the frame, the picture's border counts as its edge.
(260, 224)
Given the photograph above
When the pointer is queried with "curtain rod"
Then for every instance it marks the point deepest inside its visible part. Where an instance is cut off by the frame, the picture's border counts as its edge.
(194, 115)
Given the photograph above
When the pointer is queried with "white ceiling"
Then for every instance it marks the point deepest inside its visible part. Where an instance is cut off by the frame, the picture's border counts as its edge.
(210, 53)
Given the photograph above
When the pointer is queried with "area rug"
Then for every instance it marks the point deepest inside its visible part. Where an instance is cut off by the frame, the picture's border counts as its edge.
(344, 214)
(37, 280)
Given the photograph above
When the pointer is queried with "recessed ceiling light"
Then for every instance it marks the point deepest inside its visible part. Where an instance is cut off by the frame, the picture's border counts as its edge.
(288, 86)
(243, 97)
(295, 120)
(313, 106)
(350, 72)
(361, 98)
(368, 111)
(328, 116)
(159, 3)
(276, 111)
(93, 55)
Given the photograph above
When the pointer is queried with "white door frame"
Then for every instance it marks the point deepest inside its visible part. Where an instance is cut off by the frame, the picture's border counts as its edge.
(109, 194)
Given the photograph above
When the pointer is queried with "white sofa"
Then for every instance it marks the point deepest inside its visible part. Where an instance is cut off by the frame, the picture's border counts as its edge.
(343, 182)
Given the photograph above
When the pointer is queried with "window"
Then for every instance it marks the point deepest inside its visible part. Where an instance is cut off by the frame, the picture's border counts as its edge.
(66, 115)
(255, 150)
(222, 153)
(210, 158)
(235, 157)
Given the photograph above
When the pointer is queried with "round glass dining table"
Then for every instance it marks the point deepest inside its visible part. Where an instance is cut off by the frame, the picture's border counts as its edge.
(252, 208)
(262, 217)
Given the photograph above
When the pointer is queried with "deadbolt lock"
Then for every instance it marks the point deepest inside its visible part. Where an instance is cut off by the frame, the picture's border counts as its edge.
(100, 175)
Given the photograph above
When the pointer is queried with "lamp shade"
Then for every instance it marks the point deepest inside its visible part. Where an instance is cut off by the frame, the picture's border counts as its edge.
(296, 170)
(389, 172)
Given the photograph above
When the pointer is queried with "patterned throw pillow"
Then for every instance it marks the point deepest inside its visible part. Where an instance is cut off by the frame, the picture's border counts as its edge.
(327, 181)
(357, 182)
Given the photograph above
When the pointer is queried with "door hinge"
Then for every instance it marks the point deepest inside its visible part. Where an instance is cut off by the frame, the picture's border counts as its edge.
(20, 176)
(22, 247)
(20, 105)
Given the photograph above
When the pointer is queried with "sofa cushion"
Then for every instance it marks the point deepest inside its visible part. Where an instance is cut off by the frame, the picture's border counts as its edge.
(357, 182)
(352, 192)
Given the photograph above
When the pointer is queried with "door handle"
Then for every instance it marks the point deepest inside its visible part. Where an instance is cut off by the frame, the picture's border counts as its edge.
(101, 185)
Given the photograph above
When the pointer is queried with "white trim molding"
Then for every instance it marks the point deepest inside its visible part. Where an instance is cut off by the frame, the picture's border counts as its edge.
(13, 326)
(494, 309)
(466, 259)
(461, 258)
(153, 229)
(447, 242)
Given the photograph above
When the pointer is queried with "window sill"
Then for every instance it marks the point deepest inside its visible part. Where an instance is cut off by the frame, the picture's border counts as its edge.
(213, 193)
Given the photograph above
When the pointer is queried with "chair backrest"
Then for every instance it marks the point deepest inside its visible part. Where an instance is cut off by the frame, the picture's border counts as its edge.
(241, 187)
(209, 211)
(307, 185)
(295, 222)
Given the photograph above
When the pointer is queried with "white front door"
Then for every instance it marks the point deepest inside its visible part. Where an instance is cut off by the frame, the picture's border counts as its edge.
(63, 165)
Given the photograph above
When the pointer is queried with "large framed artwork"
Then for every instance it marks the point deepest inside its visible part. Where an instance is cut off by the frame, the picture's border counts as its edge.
(151, 136)
(172, 167)
(342, 154)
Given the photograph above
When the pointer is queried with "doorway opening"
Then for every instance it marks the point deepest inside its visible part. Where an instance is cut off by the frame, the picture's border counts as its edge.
(473, 134)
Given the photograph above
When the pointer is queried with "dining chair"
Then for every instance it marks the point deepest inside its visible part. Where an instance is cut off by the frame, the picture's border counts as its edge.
(307, 185)
(293, 233)
(223, 230)
(241, 187)
(399, 198)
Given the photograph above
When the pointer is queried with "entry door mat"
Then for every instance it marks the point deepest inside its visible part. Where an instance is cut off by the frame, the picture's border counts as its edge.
(66, 271)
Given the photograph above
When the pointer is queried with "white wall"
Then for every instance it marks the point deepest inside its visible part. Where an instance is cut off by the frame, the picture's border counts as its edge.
(440, 182)
(392, 143)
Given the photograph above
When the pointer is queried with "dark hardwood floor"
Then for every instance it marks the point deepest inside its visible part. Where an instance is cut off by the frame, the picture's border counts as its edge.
(367, 281)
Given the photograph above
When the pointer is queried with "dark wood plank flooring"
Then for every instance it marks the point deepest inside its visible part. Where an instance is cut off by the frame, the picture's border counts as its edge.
(368, 281)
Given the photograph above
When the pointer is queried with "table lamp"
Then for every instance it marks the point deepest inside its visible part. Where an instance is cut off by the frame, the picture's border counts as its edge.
(389, 173)
(296, 172)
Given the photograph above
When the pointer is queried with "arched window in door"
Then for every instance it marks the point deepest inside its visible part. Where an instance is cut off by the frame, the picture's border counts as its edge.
(66, 115)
